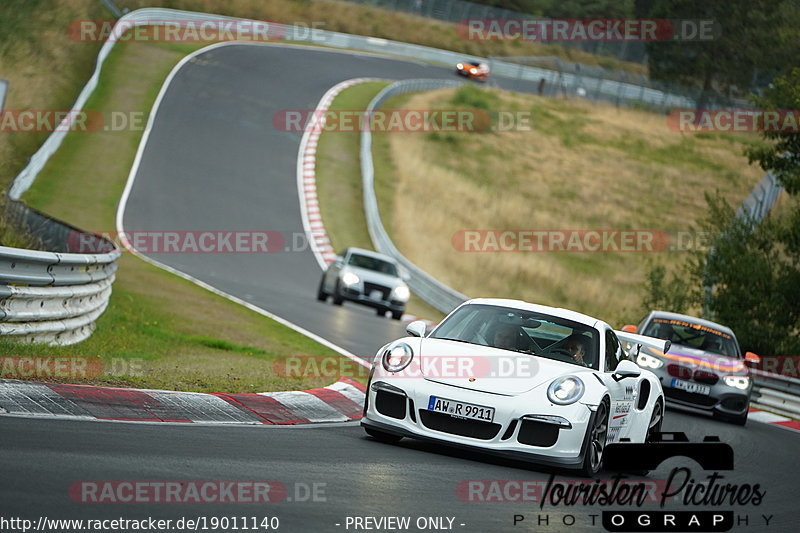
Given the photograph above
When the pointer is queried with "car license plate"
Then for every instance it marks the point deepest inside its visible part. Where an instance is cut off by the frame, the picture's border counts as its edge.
(376, 295)
(461, 409)
(697, 388)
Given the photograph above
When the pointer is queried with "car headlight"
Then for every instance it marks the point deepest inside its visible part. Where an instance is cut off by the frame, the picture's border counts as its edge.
(402, 293)
(738, 382)
(460, 66)
(348, 278)
(565, 390)
(397, 357)
(648, 361)
(473, 71)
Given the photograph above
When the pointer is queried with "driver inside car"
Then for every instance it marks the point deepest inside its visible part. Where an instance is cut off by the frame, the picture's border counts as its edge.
(505, 337)
(577, 346)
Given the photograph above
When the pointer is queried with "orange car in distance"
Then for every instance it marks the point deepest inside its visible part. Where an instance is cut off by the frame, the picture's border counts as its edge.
(475, 70)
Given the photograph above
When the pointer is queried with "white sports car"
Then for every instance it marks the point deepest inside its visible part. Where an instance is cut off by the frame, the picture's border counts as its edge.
(538, 383)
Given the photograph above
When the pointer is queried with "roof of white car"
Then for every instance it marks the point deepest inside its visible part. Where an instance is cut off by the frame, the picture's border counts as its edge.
(536, 308)
(370, 253)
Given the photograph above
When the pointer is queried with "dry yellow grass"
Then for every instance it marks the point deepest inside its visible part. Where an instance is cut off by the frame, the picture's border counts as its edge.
(581, 167)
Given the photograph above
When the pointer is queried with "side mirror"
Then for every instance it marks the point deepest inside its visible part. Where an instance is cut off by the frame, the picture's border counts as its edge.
(338, 260)
(629, 328)
(750, 357)
(627, 369)
(416, 328)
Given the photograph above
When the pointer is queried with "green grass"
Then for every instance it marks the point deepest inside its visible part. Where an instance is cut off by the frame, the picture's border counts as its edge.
(180, 336)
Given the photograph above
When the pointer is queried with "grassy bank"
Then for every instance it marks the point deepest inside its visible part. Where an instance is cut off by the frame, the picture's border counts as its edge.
(580, 167)
(175, 334)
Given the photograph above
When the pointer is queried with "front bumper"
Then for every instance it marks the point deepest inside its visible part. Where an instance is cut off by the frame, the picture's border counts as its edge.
(355, 294)
(399, 407)
(721, 398)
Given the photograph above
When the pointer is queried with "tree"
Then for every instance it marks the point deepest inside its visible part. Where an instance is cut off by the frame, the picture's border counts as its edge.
(746, 40)
(752, 267)
(782, 154)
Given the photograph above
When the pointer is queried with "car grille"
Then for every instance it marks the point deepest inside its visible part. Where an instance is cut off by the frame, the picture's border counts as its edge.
(369, 287)
(390, 404)
(459, 426)
(679, 371)
(684, 372)
(535, 433)
(709, 378)
(689, 397)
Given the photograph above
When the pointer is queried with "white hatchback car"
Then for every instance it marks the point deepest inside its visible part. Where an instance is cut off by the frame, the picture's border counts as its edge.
(508, 377)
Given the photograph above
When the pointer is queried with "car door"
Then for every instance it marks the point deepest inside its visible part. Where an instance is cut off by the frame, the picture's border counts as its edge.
(623, 392)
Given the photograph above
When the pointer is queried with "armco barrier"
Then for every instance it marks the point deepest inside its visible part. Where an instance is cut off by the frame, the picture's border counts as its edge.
(53, 297)
(423, 284)
(776, 393)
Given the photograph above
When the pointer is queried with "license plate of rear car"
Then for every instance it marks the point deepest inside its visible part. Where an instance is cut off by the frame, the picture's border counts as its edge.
(461, 409)
(696, 388)
(376, 295)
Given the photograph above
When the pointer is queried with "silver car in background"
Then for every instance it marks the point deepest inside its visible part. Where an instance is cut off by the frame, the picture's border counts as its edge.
(704, 369)
(368, 278)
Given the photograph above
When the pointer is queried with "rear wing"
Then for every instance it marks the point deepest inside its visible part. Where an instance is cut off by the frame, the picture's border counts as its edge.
(637, 341)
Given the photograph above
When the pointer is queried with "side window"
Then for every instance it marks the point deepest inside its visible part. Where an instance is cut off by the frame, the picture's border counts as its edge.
(613, 351)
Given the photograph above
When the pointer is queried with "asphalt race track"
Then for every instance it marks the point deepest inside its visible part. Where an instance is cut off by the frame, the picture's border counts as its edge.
(41, 460)
(214, 161)
(239, 173)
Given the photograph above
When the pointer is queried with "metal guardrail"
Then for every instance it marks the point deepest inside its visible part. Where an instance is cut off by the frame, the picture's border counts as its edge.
(761, 199)
(776, 393)
(423, 284)
(53, 297)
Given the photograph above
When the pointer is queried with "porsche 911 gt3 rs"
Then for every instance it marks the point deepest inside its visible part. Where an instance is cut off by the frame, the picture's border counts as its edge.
(538, 383)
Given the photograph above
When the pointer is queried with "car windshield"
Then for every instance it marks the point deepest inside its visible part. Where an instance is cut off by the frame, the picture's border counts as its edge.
(693, 335)
(522, 331)
(372, 263)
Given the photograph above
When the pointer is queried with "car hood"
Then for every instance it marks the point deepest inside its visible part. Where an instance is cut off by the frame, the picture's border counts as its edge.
(372, 276)
(701, 359)
(486, 369)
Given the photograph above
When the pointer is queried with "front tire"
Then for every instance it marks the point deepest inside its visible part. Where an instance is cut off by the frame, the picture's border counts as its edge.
(655, 421)
(653, 427)
(397, 315)
(380, 436)
(337, 300)
(598, 433)
(322, 296)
